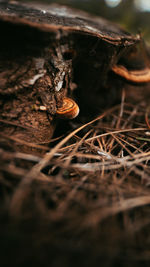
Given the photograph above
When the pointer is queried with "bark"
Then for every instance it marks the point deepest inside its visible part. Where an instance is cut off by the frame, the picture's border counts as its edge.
(47, 53)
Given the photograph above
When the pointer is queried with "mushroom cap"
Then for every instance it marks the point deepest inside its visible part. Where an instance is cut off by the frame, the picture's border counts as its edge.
(68, 110)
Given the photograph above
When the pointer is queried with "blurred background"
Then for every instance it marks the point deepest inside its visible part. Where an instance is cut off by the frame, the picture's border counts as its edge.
(133, 15)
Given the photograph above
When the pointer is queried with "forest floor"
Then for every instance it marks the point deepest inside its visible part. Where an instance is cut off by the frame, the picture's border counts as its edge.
(84, 198)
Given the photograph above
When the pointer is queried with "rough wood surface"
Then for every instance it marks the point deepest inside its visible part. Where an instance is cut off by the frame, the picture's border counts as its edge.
(48, 52)
(52, 17)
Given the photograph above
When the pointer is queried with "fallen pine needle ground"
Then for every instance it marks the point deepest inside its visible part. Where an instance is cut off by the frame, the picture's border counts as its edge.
(84, 198)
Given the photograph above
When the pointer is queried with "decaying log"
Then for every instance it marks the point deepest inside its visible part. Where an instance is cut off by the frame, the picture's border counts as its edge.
(48, 52)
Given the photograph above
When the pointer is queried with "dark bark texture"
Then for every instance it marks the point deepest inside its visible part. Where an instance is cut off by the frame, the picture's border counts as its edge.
(48, 52)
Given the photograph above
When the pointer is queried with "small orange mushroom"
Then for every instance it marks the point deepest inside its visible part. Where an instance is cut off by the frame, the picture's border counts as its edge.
(135, 76)
(68, 110)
